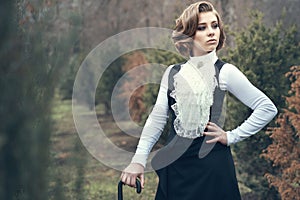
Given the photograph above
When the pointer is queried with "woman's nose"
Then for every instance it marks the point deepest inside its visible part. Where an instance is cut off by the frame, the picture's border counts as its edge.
(210, 31)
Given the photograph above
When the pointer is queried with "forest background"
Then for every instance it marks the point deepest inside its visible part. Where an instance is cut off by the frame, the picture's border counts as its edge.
(43, 44)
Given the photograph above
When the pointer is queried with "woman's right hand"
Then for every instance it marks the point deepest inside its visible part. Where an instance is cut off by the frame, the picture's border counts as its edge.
(131, 173)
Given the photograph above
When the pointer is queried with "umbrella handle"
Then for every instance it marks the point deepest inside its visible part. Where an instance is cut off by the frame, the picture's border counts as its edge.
(120, 188)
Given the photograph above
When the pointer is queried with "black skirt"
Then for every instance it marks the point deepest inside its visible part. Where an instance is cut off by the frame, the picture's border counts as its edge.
(190, 177)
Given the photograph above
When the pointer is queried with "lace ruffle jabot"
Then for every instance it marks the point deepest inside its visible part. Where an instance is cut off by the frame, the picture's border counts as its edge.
(194, 87)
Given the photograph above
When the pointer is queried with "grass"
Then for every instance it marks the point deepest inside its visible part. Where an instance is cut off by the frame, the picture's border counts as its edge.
(76, 174)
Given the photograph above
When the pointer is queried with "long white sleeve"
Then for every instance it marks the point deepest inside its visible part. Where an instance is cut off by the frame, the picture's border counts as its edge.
(231, 79)
(155, 123)
(264, 110)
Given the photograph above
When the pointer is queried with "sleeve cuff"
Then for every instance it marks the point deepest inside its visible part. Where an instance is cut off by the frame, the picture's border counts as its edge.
(230, 138)
(140, 158)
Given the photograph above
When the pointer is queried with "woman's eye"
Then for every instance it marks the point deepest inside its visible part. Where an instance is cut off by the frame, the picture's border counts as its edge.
(215, 26)
(201, 28)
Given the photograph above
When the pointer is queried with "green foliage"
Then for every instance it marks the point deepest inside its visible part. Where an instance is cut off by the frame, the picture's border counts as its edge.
(264, 54)
(75, 55)
(26, 86)
(108, 81)
(30, 61)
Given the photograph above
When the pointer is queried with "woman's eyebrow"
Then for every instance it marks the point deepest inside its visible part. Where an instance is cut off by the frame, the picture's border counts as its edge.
(203, 23)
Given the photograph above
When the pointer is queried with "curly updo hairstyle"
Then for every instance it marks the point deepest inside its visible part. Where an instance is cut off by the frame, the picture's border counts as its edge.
(187, 24)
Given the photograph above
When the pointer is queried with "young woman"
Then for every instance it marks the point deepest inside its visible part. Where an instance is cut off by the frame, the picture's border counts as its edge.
(197, 162)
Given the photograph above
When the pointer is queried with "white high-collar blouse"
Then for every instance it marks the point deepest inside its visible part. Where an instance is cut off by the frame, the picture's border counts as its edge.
(230, 79)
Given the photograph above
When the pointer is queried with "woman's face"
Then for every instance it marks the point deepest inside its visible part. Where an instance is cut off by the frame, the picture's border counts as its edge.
(207, 36)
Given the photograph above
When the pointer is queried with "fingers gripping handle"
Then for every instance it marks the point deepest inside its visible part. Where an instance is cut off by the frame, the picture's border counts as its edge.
(120, 189)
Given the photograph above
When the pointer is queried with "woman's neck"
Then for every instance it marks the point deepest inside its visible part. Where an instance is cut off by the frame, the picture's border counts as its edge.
(197, 52)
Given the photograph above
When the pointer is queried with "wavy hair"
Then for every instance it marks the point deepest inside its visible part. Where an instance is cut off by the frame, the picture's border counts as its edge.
(187, 24)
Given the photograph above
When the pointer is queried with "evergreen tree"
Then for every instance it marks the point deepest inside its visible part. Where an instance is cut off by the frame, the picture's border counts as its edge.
(264, 54)
(284, 152)
(75, 56)
(30, 58)
(26, 87)
(108, 81)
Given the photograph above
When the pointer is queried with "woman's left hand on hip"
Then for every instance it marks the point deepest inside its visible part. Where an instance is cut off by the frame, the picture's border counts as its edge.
(218, 134)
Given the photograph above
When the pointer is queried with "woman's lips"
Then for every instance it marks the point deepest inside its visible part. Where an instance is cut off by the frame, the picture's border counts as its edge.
(212, 41)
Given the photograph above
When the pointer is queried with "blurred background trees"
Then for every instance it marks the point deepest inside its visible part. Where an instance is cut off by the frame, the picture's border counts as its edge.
(32, 55)
(43, 44)
(284, 152)
(30, 62)
(264, 54)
